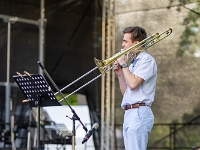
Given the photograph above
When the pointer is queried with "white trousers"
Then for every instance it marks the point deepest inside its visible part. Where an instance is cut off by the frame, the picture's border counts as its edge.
(137, 125)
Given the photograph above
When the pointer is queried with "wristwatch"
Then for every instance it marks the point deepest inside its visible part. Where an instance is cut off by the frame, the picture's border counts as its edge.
(124, 66)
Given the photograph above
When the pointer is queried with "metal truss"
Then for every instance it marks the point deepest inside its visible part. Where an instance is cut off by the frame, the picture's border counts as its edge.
(108, 81)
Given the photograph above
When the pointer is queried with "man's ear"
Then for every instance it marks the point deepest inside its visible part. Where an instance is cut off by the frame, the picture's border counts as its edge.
(135, 42)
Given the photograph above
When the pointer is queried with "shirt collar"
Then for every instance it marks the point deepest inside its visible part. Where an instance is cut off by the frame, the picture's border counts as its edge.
(132, 61)
(138, 56)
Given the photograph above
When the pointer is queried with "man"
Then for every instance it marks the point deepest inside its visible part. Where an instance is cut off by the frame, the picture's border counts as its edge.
(137, 84)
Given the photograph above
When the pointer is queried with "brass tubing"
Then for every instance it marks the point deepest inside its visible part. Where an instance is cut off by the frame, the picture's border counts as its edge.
(85, 84)
(77, 80)
(103, 64)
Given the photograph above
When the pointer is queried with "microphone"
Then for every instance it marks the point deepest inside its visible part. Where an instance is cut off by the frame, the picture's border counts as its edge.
(88, 135)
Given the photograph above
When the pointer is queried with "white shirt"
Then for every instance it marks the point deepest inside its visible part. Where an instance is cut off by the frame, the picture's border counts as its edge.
(145, 67)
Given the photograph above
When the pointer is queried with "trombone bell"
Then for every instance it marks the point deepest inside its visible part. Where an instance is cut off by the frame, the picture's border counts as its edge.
(101, 65)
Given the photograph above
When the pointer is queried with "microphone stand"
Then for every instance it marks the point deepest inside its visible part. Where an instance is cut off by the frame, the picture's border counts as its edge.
(75, 116)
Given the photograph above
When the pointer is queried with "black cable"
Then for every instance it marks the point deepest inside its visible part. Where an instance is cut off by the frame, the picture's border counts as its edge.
(190, 9)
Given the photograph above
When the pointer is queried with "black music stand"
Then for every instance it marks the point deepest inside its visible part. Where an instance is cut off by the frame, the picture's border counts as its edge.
(38, 93)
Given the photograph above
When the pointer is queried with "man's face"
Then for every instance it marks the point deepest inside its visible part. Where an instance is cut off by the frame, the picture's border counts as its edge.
(127, 42)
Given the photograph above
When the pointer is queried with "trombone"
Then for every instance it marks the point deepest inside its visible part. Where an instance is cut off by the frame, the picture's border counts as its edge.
(102, 65)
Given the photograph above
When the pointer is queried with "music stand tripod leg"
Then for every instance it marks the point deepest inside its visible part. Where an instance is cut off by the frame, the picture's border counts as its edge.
(29, 130)
(38, 103)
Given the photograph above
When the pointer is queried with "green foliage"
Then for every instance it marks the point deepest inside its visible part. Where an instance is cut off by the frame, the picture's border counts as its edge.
(185, 132)
(72, 100)
(189, 39)
(187, 136)
(159, 136)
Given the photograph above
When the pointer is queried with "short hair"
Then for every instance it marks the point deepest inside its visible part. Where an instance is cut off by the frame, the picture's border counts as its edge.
(137, 33)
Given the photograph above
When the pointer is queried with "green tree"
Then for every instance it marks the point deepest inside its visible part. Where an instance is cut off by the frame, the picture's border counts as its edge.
(189, 44)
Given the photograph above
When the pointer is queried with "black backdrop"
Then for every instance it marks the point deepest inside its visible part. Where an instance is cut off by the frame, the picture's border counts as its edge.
(72, 40)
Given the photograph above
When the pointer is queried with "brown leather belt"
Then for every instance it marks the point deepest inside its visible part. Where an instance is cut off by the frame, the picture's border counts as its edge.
(134, 106)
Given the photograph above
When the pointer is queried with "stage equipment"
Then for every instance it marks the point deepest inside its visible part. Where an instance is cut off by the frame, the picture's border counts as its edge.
(38, 93)
(103, 65)
(75, 117)
(56, 134)
(12, 122)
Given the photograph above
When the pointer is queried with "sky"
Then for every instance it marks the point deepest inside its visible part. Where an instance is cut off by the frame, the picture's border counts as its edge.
(58, 114)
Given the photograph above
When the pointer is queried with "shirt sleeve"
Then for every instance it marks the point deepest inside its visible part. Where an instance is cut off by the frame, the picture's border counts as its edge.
(145, 68)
